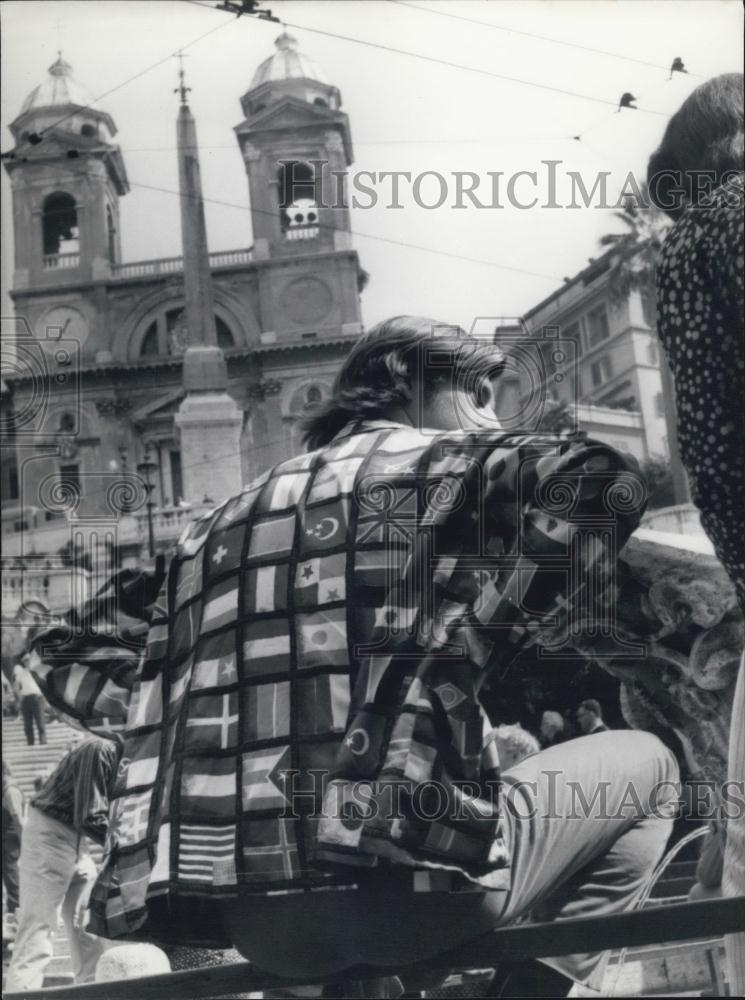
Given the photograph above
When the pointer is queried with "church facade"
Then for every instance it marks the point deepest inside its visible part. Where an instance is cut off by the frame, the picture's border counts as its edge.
(96, 379)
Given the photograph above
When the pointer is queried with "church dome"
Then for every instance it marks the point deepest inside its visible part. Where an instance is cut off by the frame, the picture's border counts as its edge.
(59, 89)
(287, 63)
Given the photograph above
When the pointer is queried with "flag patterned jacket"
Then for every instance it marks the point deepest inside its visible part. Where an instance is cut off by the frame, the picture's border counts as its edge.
(306, 711)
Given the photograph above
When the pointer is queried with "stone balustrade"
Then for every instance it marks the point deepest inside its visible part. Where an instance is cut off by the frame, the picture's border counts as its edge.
(174, 265)
(59, 261)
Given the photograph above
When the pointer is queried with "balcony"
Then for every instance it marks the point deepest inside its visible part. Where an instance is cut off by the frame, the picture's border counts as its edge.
(48, 584)
(174, 265)
(60, 261)
(302, 233)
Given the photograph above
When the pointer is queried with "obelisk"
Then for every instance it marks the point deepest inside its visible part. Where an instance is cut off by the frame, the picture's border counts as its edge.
(208, 420)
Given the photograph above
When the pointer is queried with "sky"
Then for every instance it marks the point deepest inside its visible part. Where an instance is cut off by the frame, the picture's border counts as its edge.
(406, 114)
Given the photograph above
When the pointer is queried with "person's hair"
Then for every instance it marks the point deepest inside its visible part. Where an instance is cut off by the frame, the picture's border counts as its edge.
(701, 148)
(553, 718)
(518, 739)
(591, 705)
(377, 375)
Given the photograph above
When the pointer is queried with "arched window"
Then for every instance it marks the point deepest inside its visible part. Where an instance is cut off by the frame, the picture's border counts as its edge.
(297, 195)
(224, 336)
(313, 396)
(89, 131)
(172, 323)
(60, 225)
(110, 232)
(320, 102)
(67, 423)
(149, 345)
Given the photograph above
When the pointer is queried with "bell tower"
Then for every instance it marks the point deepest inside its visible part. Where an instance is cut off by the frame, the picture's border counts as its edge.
(296, 146)
(66, 177)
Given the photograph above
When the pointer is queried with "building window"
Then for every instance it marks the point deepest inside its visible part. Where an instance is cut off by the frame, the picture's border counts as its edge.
(659, 405)
(601, 371)
(297, 196)
(149, 346)
(224, 336)
(168, 334)
(67, 423)
(653, 354)
(89, 131)
(69, 480)
(597, 325)
(572, 333)
(177, 485)
(13, 485)
(111, 234)
(60, 225)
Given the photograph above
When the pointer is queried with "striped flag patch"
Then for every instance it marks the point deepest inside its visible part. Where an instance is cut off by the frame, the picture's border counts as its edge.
(201, 847)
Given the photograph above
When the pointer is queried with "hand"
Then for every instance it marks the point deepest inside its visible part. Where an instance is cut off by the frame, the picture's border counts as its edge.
(86, 868)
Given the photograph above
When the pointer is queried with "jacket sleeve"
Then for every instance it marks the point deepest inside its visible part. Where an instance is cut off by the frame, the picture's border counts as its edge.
(87, 667)
(571, 504)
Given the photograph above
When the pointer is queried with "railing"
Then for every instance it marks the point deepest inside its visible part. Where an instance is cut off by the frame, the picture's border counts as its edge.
(302, 233)
(55, 261)
(676, 922)
(55, 586)
(173, 265)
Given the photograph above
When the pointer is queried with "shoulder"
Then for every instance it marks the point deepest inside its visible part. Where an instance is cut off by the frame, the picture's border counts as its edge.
(712, 229)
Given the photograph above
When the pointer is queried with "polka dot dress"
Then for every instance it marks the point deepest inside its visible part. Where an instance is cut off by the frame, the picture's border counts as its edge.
(700, 325)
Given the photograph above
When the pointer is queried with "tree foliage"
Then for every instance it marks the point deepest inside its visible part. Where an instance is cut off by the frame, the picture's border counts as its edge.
(635, 252)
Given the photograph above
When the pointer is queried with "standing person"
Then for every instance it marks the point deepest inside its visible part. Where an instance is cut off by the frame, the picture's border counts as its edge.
(590, 717)
(351, 665)
(32, 703)
(696, 176)
(10, 702)
(56, 870)
(13, 808)
(552, 730)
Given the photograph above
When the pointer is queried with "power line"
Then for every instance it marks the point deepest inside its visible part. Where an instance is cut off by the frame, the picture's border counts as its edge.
(367, 236)
(446, 140)
(131, 79)
(531, 34)
(440, 62)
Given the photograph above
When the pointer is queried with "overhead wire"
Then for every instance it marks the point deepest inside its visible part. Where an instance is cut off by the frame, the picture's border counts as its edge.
(464, 67)
(131, 79)
(532, 34)
(367, 236)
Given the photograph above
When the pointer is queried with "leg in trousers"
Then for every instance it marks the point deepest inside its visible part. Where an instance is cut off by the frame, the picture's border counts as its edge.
(11, 854)
(85, 948)
(27, 712)
(587, 822)
(48, 856)
(41, 722)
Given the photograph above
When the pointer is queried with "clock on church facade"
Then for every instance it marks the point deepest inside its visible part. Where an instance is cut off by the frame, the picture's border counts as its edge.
(99, 341)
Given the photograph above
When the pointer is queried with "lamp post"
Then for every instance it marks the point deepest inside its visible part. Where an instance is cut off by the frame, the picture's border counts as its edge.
(146, 468)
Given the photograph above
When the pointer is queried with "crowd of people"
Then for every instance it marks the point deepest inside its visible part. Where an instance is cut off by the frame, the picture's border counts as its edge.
(355, 679)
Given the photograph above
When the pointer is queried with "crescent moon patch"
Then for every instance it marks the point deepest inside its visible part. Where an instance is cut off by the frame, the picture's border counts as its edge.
(358, 742)
(325, 529)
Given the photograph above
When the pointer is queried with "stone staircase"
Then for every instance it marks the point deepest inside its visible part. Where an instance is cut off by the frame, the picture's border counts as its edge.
(27, 762)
